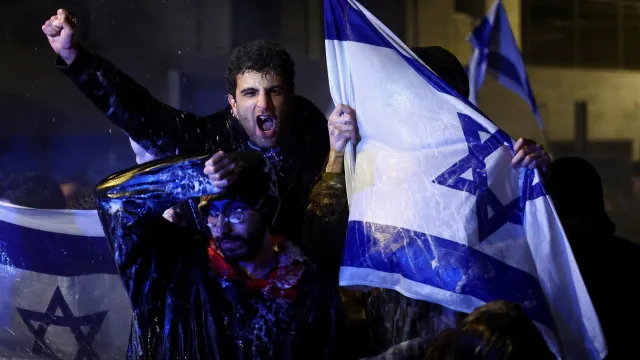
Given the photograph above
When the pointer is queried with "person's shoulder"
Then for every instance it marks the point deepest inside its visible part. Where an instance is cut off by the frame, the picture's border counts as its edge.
(624, 244)
(219, 116)
(216, 125)
(621, 252)
(312, 123)
(306, 108)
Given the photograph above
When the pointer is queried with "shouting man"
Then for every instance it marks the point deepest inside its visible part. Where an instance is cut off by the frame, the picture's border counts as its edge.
(264, 115)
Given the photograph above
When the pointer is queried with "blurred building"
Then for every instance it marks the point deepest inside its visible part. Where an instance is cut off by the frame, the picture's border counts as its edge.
(583, 63)
(580, 54)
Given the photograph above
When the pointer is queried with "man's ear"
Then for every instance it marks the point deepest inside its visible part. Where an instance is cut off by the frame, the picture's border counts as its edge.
(232, 103)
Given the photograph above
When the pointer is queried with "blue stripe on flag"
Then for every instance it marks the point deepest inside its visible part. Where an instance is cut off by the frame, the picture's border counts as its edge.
(456, 264)
(502, 66)
(354, 26)
(54, 253)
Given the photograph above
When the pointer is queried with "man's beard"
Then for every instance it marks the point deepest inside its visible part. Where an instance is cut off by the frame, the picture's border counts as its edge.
(237, 248)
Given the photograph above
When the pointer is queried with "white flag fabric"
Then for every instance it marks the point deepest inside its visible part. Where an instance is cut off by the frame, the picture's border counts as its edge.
(436, 212)
(60, 293)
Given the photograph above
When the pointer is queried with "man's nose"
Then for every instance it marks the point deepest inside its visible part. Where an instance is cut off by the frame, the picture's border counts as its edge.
(264, 101)
(222, 226)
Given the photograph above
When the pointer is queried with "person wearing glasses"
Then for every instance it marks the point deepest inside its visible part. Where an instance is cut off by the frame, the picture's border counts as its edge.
(236, 292)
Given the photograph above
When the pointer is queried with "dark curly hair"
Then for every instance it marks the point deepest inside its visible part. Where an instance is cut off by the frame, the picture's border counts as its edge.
(83, 199)
(496, 331)
(263, 57)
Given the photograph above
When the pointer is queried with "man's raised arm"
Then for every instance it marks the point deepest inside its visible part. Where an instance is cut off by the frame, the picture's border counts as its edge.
(160, 129)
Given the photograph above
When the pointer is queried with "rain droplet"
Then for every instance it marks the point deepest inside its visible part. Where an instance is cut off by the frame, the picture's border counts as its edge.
(179, 52)
(54, 119)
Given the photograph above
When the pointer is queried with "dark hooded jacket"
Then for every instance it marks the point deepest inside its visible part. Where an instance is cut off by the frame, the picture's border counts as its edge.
(607, 262)
(164, 131)
(182, 308)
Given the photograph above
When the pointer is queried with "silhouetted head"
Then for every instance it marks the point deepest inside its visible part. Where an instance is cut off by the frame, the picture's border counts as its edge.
(240, 216)
(260, 80)
(35, 191)
(496, 331)
(576, 190)
(446, 66)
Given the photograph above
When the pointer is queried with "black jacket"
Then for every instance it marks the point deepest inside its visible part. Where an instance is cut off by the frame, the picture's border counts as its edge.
(181, 309)
(165, 131)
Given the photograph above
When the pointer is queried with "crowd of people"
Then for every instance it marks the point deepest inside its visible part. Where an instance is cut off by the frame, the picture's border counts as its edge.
(229, 233)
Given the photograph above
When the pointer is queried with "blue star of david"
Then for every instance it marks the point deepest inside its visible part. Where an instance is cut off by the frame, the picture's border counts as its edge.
(478, 186)
(67, 319)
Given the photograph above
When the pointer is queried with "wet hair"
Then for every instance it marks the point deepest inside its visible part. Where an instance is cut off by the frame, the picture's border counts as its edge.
(34, 191)
(83, 199)
(262, 57)
(497, 331)
(446, 66)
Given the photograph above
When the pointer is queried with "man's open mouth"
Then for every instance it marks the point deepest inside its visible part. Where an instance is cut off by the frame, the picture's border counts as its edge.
(266, 125)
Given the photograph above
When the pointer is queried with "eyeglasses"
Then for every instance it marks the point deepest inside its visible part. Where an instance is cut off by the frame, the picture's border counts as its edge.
(234, 216)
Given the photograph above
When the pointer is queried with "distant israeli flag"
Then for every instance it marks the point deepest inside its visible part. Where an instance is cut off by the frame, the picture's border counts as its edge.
(60, 293)
(495, 50)
(436, 212)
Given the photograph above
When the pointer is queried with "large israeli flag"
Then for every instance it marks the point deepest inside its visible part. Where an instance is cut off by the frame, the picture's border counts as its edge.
(60, 293)
(436, 212)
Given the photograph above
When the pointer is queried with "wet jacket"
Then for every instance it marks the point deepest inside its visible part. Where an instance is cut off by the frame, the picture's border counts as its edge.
(164, 131)
(183, 309)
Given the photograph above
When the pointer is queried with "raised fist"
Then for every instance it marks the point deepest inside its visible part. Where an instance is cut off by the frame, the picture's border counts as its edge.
(60, 30)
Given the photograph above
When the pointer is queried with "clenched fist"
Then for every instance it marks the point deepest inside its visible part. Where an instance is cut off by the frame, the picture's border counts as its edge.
(61, 33)
(342, 128)
(220, 170)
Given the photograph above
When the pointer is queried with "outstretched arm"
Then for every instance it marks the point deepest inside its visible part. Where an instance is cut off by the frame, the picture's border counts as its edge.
(160, 129)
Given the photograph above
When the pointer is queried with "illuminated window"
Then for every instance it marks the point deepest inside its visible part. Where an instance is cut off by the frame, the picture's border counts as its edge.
(584, 33)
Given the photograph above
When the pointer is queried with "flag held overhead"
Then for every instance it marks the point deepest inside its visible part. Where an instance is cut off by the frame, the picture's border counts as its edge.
(436, 211)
